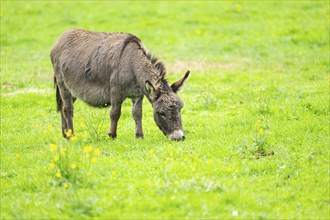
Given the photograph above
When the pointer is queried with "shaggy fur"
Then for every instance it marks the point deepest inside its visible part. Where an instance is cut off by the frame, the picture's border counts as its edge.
(104, 69)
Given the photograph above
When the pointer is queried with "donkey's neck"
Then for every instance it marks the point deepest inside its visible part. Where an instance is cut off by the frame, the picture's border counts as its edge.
(146, 71)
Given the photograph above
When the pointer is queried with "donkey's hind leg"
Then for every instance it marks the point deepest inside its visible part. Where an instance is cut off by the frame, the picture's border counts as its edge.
(66, 109)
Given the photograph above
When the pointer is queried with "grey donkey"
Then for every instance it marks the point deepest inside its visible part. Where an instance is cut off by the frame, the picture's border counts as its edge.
(103, 69)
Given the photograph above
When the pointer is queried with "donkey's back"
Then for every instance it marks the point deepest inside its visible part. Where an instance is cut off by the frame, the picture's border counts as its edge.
(84, 62)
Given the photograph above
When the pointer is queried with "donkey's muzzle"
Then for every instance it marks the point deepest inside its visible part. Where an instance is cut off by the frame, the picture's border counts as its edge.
(176, 135)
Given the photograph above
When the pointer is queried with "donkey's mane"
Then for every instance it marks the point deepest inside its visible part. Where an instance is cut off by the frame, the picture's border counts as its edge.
(153, 59)
(157, 64)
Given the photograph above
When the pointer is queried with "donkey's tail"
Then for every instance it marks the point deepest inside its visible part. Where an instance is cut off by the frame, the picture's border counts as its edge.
(58, 96)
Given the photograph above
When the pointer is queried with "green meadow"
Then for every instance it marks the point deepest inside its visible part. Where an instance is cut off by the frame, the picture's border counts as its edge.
(256, 115)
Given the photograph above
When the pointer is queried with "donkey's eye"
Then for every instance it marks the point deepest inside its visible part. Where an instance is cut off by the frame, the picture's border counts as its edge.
(162, 114)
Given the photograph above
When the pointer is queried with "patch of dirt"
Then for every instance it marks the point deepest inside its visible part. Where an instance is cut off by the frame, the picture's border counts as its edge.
(263, 154)
(196, 66)
(27, 90)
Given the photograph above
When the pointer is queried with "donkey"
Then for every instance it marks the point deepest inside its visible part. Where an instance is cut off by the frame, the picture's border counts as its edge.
(103, 69)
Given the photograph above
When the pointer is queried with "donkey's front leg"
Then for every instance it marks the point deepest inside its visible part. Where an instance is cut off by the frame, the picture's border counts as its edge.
(137, 115)
(114, 116)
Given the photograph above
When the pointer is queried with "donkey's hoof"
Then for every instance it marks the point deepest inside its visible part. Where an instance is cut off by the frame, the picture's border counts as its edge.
(113, 136)
(139, 136)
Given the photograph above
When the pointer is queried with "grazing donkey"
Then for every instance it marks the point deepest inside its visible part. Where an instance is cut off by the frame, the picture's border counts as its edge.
(104, 69)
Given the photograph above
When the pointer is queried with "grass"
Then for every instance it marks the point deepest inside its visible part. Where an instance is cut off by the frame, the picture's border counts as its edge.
(256, 115)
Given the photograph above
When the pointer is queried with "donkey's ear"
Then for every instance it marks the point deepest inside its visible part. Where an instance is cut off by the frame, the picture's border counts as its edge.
(151, 90)
(179, 84)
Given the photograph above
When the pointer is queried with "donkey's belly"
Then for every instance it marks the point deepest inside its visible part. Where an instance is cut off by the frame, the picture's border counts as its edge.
(93, 95)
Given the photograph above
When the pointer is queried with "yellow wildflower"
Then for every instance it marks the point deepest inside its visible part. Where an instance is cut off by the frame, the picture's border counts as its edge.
(258, 122)
(209, 161)
(56, 158)
(152, 151)
(94, 160)
(73, 166)
(49, 128)
(58, 174)
(66, 186)
(36, 125)
(18, 155)
(53, 147)
(63, 150)
(97, 151)
(88, 148)
(82, 124)
(261, 131)
(52, 165)
(257, 147)
(68, 133)
(73, 138)
(113, 173)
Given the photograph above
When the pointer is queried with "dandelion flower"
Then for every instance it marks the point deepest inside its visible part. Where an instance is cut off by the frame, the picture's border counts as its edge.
(53, 147)
(68, 133)
(66, 186)
(82, 124)
(49, 128)
(258, 122)
(261, 131)
(18, 155)
(94, 160)
(73, 138)
(73, 166)
(63, 151)
(58, 174)
(88, 149)
(97, 151)
(52, 165)
(56, 158)
(113, 173)
(171, 153)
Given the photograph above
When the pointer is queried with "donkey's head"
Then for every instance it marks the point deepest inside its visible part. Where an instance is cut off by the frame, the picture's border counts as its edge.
(167, 106)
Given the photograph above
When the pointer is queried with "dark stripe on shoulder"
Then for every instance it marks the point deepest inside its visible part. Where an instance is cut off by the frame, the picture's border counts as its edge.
(131, 39)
